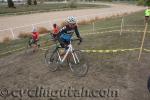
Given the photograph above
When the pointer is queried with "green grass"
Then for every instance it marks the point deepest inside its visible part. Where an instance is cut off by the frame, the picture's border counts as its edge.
(21, 9)
(107, 40)
(127, 2)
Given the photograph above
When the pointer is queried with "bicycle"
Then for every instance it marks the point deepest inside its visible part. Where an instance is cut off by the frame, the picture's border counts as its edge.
(75, 59)
(32, 46)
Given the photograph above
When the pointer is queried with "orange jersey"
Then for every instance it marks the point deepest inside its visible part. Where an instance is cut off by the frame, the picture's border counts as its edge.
(35, 35)
(56, 30)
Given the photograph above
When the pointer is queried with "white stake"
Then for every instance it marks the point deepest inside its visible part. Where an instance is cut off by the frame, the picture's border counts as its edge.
(93, 27)
(122, 22)
(143, 41)
(12, 33)
(33, 26)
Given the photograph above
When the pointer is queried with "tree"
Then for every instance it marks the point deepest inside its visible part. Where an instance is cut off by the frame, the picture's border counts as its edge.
(34, 2)
(41, 1)
(147, 2)
(29, 2)
(11, 4)
(3, 1)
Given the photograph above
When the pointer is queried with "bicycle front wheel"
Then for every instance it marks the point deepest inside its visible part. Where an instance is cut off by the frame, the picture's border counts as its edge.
(52, 59)
(77, 63)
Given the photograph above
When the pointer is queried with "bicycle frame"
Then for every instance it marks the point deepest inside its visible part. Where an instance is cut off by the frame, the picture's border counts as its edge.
(70, 50)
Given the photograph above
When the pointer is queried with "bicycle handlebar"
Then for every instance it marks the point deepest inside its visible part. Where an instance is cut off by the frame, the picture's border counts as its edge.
(77, 40)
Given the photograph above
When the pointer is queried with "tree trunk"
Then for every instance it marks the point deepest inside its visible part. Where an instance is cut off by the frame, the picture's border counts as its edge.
(11, 4)
(34, 2)
(29, 2)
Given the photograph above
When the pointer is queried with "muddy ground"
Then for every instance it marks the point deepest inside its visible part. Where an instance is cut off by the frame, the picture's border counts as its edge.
(115, 71)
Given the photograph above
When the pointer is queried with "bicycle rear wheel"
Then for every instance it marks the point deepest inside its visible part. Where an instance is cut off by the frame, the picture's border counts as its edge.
(52, 59)
(77, 63)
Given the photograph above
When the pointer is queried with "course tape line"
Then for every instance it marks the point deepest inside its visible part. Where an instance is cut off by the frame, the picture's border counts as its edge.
(105, 51)
(147, 50)
(100, 51)
(87, 51)
(138, 31)
(12, 51)
(109, 51)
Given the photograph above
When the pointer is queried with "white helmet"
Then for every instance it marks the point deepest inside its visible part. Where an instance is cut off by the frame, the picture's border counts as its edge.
(71, 20)
(34, 29)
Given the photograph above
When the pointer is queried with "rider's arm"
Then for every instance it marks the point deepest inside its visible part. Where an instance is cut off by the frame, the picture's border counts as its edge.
(77, 32)
(63, 30)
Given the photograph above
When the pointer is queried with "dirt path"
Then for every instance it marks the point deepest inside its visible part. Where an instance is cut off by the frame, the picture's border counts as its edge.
(119, 72)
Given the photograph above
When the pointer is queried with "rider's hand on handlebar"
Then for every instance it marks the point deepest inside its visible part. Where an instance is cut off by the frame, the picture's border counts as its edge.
(80, 39)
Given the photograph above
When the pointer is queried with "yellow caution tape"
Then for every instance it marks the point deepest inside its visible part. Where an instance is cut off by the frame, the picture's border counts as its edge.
(87, 51)
(109, 51)
(147, 50)
(12, 51)
(94, 51)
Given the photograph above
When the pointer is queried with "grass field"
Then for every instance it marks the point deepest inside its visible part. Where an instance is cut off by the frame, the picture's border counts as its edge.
(24, 9)
(133, 19)
(119, 70)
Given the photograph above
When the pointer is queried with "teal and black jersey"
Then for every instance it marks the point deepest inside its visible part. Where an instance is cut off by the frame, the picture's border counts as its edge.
(66, 32)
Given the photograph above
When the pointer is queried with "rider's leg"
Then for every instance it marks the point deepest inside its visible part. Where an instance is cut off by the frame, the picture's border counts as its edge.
(36, 45)
(30, 42)
(64, 44)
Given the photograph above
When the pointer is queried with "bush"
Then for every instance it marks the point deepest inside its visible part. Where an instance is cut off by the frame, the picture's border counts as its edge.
(97, 18)
(6, 40)
(147, 3)
(62, 24)
(94, 19)
(29, 2)
(140, 2)
(104, 0)
(42, 30)
(144, 2)
(24, 35)
(83, 22)
(72, 4)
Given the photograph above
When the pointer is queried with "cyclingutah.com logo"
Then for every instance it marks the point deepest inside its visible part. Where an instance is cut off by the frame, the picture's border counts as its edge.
(41, 91)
